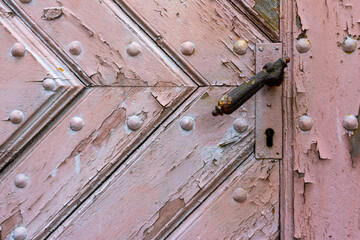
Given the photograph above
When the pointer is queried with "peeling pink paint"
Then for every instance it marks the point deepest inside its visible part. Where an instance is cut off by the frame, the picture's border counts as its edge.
(138, 148)
(213, 26)
(327, 87)
(142, 78)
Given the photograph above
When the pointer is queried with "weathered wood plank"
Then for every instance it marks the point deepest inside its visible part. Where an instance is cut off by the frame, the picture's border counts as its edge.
(28, 102)
(286, 166)
(65, 165)
(326, 88)
(264, 13)
(112, 50)
(213, 26)
(21, 90)
(254, 217)
(168, 176)
(160, 184)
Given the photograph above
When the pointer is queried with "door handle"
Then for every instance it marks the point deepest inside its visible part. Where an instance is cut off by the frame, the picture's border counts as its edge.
(272, 75)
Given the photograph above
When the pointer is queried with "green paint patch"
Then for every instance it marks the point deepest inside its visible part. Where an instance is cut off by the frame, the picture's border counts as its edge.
(269, 10)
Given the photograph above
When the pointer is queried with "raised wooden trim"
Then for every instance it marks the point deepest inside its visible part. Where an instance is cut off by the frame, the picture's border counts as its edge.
(68, 88)
(286, 166)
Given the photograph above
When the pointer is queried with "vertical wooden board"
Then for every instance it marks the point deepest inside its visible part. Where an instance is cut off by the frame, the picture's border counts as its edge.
(65, 165)
(222, 217)
(168, 177)
(326, 88)
(286, 167)
(213, 26)
(112, 52)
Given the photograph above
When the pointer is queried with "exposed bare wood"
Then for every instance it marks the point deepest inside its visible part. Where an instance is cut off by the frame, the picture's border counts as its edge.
(8, 225)
(264, 14)
(222, 217)
(138, 151)
(287, 165)
(65, 165)
(175, 168)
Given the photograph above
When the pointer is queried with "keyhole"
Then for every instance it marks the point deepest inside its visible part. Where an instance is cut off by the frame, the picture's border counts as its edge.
(269, 137)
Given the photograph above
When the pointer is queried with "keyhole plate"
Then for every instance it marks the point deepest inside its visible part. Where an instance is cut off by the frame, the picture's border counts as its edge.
(268, 107)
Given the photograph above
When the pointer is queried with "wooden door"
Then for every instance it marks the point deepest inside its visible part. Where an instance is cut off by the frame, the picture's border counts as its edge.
(106, 128)
(325, 144)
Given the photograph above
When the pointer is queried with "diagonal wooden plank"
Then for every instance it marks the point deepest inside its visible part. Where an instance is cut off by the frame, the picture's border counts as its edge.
(169, 176)
(107, 46)
(155, 188)
(245, 206)
(212, 26)
(264, 14)
(34, 84)
(74, 157)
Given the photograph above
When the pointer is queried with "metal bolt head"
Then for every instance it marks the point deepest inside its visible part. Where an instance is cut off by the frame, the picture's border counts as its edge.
(303, 45)
(350, 122)
(133, 49)
(240, 125)
(134, 122)
(187, 48)
(75, 48)
(305, 123)
(76, 123)
(16, 116)
(51, 13)
(349, 44)
(21, 180)
(18, 50)
(187, 123)
(240, 195)
(261, 48)
(240, 46)
(49, 84)
(19, 233)
(25, 1)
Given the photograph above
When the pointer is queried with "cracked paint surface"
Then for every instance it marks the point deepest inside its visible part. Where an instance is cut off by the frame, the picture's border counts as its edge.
(326, 89)
(264, 13)
(213, 26)
(22, 86)
(85, 158)
(104, 38)
(26, 84)
(255, 218)
(145, 181)
(154, 184)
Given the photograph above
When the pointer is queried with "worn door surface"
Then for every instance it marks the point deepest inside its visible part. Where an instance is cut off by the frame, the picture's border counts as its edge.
(325, 143)
(106, 125)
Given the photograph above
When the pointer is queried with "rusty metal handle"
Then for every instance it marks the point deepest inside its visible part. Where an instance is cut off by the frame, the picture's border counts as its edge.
(272, 75)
